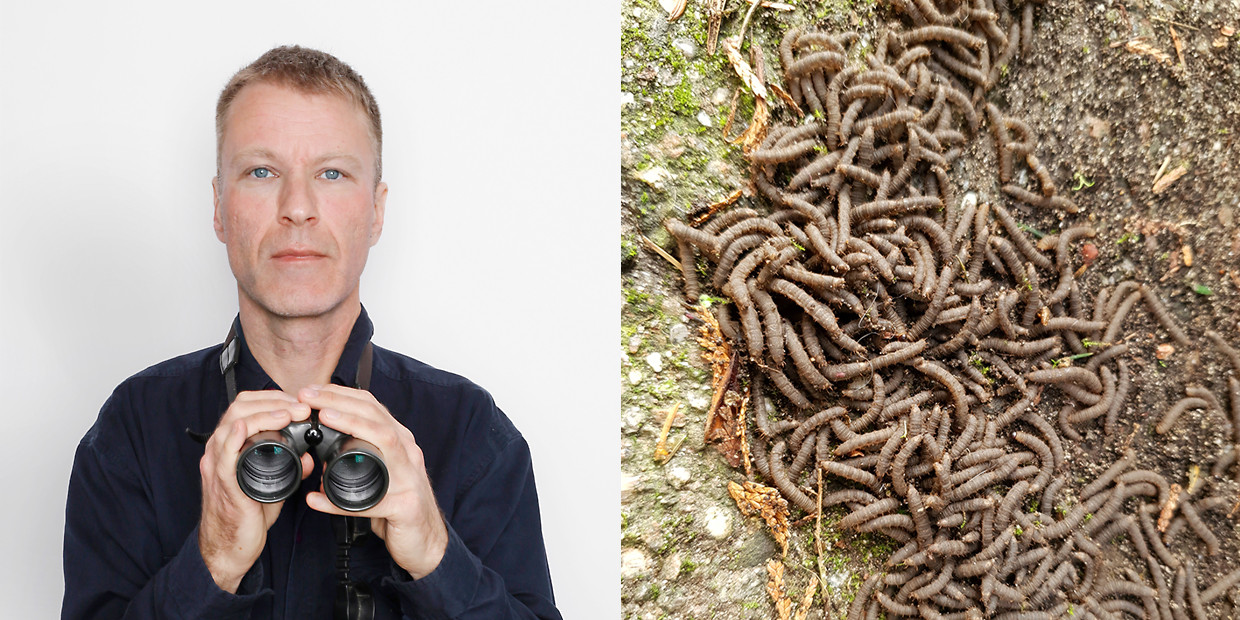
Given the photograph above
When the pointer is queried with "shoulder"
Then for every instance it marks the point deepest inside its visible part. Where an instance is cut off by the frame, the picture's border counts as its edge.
(127, 410)
(447, 398)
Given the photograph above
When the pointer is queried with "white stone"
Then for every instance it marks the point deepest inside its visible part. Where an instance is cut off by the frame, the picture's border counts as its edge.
(635, 376)
(671, 567)
(633, 563)
(699, 401)
(718, 523)
(678, 476)
(720, 96)
(631, 420)
(655, 361)
(704, 119)
(637, 12)
(656, 177)
(686, 47)
(626, 99)
(635, 343)
(628, 486)
(679, 333)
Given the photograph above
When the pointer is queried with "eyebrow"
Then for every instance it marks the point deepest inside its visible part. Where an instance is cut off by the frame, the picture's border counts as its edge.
(262, 153)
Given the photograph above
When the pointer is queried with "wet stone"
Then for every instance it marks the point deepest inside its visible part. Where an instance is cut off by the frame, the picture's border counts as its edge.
(757, 549)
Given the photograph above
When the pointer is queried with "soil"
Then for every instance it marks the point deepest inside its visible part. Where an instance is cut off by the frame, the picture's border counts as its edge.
(1108, 120)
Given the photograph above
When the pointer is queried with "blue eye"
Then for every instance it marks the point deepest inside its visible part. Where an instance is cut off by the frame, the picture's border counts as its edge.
(331, 175)
(260, 173)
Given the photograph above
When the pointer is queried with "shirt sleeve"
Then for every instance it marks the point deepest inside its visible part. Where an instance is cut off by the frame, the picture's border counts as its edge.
(113, 564)
(495, 564)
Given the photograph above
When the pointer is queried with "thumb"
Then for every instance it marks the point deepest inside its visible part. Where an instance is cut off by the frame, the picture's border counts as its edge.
(307, 465)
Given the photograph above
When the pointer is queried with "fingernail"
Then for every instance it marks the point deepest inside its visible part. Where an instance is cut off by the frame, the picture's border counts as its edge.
(330, 414)
(310, 391)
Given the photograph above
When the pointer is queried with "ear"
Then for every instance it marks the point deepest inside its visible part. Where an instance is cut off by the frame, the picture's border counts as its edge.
(218, 218)
(376, 228)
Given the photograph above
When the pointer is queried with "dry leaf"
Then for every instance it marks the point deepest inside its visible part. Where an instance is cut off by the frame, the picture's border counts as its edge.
(786, 98)
(756, 132)
(775, 588)
(766, 502)
(731, 48)
(1138, 46)
(1166, 180)
(810, 590)
(714, 15)
(725, 420)
(713, 208)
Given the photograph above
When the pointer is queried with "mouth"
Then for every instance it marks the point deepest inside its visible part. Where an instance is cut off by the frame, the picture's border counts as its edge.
(297, 255)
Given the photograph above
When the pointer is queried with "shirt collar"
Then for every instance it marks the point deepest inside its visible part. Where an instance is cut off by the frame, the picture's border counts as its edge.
(251, 376)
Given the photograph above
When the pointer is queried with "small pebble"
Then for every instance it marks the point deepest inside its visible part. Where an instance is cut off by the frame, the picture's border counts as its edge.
(1226, 216)
(633, 563)
(686, 47)
(635, 343)
(718, 523)
(656, 177)
(671, 566)
(631, 420)
(626, 99)
(678, 476)
(704, 119)
(699, 401)
(655, 361)
(679, 333)
(635, 376)
(628, 486)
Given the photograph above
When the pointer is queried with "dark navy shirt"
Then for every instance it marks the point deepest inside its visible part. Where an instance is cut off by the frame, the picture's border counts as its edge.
(131, 524)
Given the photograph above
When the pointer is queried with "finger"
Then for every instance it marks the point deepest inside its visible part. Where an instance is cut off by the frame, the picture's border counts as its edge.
(307, 465)
(241, 409)
(343, 399)
(316, 500)
(388, 435)
(244, 428)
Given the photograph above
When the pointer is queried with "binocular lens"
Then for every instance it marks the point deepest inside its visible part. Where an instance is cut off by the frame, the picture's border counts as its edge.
(269, 472)
(355, 481)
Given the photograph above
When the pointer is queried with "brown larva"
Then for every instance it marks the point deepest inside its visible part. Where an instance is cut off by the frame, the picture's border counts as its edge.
(941, 33)
(1159, 311)
(1173, 414)
(786, 486)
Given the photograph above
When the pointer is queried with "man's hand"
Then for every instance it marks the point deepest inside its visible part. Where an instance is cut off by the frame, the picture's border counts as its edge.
(233, 528)
(407, 519)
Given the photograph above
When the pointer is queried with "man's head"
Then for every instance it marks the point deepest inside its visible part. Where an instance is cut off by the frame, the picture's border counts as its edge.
(309, 71)
(298, 201)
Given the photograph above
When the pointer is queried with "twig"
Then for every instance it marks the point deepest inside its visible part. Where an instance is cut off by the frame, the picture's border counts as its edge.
(753, 5)
(1167, 21)
(661, 252)
(661, 453)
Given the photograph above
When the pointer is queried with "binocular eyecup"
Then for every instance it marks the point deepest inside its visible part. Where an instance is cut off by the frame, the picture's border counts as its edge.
(354, 475)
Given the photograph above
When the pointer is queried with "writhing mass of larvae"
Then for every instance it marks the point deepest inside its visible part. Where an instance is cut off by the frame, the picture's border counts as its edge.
(934, 359)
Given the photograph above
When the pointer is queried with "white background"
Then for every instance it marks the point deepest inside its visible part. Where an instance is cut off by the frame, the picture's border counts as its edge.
(497, 261)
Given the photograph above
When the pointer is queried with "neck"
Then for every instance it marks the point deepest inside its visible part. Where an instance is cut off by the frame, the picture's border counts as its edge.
(298, 351)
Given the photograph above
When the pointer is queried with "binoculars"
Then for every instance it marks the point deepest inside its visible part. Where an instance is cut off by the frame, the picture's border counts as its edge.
(354, 475)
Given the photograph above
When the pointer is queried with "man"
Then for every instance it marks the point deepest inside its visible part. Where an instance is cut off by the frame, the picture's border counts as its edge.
(158, 526)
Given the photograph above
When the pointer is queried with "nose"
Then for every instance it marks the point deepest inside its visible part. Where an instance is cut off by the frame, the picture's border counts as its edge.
(298, 203)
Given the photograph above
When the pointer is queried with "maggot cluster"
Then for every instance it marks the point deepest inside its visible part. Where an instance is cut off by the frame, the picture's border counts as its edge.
(932, 358)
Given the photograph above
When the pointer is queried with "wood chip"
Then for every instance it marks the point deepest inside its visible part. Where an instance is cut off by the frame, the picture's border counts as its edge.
(1139, 46)
(1164, 351)
(661, 252)
(1166, 180)
(677, 10)
(1168, 509)
(661, 453)
(1179, 47)
(1187, 251)
(710, 210)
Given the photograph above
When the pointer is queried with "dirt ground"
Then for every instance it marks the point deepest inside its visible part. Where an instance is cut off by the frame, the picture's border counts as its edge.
(1114, 101)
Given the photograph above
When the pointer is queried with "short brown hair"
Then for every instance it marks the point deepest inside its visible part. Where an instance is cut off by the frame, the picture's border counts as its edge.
(309, 71)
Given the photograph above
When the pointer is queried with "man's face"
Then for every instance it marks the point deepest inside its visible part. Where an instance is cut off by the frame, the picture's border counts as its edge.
(295, 199)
